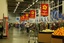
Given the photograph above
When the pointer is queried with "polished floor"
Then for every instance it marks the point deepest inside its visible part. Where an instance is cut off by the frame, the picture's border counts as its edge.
(16, 36)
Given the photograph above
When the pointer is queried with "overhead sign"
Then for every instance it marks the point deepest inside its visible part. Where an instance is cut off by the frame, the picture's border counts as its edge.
(44, 9)
(26, 16)
(32, 14)
(22, 18)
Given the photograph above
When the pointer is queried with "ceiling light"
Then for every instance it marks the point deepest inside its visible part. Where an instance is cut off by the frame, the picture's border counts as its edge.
(33, 3)
(30, 5)
(16, 7)
(36, 0)
(18, 3)
(27, 8)
(52, 1)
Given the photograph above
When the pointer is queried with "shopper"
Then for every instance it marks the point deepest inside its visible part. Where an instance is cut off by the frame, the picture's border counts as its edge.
(27, 25)
(42, 26)
(1, 30)
(39, 26)
(9, 25)
(22, 27)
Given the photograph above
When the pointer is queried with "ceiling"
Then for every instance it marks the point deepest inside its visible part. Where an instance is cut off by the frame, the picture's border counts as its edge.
(23, 5)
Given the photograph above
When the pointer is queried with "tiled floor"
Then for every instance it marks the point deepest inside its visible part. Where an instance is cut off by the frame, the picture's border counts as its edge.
(15, 36)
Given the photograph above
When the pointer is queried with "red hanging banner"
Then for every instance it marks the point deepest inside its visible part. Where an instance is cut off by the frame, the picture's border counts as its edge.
(32, 14)
(26, 16)
(44, 9)
(22, 18)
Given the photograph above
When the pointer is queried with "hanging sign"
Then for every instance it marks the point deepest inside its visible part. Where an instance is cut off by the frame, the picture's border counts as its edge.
(32, 14)
(26, 16)
(22, 18)
(44, 9)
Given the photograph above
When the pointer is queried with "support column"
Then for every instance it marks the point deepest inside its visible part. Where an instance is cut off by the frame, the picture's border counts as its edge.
(3, 9)
(62, 7)
(4, 15)
(49, 12)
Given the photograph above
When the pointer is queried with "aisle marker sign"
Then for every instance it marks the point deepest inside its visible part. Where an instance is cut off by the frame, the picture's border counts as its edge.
(44, 9)
(32, 14)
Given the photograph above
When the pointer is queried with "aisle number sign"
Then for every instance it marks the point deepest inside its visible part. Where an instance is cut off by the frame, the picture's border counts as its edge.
(44, 9)
(32, 14)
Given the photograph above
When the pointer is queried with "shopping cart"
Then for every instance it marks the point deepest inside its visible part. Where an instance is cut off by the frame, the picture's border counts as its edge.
(32, 36)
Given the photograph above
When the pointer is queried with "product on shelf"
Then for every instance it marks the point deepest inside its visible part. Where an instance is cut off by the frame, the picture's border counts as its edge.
(47, 30)
(59, 32)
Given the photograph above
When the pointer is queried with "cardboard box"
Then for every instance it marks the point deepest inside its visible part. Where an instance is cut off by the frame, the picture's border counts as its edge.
(57, 39)
(44, 37)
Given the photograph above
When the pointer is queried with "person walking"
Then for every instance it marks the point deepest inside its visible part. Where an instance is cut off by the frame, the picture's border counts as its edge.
(27, 25)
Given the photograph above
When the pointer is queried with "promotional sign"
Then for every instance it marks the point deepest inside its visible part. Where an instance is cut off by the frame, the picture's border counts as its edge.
(26, 16)
(32, 14)
(44, 9)
(22, 18)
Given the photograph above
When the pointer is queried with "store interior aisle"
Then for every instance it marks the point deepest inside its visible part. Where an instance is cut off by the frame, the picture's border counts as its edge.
(15, 36)
(19, 37)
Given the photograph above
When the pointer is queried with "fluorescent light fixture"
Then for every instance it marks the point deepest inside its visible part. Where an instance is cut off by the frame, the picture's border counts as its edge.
(24, 11)
(30, 5)
(18, 3)
(16, 7)
(36, 0)
(52, 1)
(27, 8)
(33, 3)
